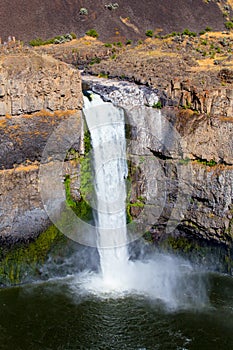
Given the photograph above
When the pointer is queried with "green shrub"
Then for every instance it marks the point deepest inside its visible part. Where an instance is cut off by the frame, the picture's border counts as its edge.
(103, 75)
(95, 60)
(149, 33)
(93, 33)
(108, 45)
(59, 39)
(206, 162)
(202, 32)
(208, 29)
(229, 25)
(204, 42)
(74, 36)
(36, 42)
(157, 105)
(186, 31)
(128, 42)
(119, 43)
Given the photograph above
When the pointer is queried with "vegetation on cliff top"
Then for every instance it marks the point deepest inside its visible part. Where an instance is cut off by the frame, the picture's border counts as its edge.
(59, 39)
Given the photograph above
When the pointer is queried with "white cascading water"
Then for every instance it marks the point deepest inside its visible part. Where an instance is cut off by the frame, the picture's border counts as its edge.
(107, 128)
(164, 277)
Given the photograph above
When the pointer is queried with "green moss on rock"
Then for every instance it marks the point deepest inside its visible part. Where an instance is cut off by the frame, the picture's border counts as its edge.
(22, 262)
(82, 207)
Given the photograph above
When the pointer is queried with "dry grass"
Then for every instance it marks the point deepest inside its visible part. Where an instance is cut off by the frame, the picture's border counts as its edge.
(3, 123)
(226, 119)
(227, 2)
(126, 21)
(26, 168)
(218, 35)
(32, 167)
(230, 2)
(215, 169)
(159, 53)
(13, 127)
(45, 113)
(207, 64)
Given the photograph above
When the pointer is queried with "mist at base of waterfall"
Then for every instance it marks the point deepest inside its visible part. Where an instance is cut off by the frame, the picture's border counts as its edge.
(165, 278)
(171, 280)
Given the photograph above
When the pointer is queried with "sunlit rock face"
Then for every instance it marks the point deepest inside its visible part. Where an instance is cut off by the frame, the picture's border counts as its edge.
(180, 167)
(37, 95)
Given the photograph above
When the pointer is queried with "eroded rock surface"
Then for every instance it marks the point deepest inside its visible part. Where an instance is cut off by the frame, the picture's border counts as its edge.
(40, 101)
(32, 82)
(181, 169)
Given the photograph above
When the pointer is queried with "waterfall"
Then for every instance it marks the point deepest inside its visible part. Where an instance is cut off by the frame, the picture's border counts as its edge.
(158, 276)
(107, 128)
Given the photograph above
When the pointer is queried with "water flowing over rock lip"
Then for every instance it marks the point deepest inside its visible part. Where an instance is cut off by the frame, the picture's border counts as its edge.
(121, 93)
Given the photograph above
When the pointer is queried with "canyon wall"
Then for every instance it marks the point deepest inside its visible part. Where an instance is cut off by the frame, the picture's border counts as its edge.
(37, 96)
(180, 160)
(180, 165)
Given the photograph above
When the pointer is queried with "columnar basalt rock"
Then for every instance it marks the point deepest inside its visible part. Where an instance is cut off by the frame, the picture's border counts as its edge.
(214, 102)
(32, 82)
(37, 95)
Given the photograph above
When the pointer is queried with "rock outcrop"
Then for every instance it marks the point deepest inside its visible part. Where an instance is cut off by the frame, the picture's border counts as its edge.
(38, 96)
(121, 93)
(188, 72)
(31, 82)
(214, 102)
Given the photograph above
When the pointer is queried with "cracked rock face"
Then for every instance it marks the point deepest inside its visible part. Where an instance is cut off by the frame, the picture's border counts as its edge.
(38, 96)
(181, 170)
(194, 195)
(32, 82)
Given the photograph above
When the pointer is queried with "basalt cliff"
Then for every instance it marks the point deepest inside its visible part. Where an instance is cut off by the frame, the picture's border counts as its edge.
(179, 130)
(37, 94)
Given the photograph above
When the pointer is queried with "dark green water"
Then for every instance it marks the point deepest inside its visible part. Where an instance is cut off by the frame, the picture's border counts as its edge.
(54, 315)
